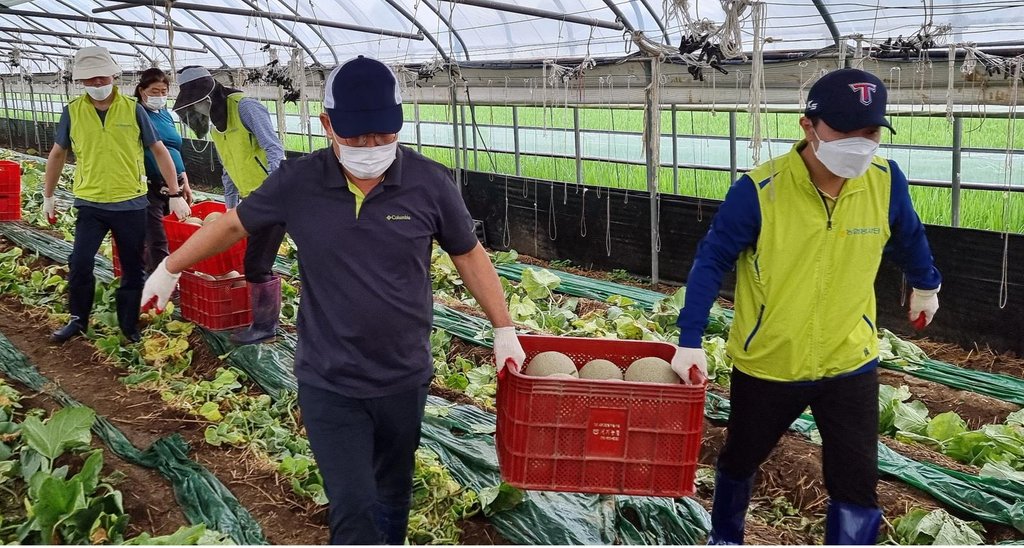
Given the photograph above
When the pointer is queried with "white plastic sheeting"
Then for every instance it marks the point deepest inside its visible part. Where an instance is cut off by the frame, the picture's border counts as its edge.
(480, 33)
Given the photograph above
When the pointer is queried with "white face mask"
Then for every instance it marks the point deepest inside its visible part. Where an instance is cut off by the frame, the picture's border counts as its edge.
(847, 158)
(156, 102)
(100, 93)
(367, 162)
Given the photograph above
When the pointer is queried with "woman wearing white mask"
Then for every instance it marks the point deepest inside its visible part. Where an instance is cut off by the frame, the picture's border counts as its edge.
(806, 232)
(151, 93)
(108, 132)
(363, 213)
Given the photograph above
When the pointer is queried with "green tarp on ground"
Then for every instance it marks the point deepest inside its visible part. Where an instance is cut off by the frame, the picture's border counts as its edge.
(202, 497)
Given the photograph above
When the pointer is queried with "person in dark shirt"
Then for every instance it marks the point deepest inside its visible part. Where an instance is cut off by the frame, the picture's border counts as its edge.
(364, 213)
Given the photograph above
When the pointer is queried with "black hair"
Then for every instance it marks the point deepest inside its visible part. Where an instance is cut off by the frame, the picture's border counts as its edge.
(148, 78)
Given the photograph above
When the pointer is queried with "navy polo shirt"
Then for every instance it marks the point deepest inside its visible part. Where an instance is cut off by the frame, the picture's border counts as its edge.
(367, 305)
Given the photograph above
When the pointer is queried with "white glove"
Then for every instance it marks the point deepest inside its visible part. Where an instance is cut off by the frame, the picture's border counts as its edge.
(685, 359)
(159, 286)
(50, 208)
(506, 345)
(180, 207)
(923, 301)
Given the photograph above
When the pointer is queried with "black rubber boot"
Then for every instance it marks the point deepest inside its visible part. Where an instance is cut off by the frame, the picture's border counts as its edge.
(266, 308)
(729, 508)
(850, 524)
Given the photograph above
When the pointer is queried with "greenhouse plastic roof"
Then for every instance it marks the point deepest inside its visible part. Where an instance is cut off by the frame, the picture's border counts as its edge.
(437, 29)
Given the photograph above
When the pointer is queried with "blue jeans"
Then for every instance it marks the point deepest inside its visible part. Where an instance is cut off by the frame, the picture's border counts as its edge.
(365, 449)
(129, 229)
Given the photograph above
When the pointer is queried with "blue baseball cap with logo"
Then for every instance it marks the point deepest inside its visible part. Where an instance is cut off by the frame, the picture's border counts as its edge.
(362, 96)
(848, 100)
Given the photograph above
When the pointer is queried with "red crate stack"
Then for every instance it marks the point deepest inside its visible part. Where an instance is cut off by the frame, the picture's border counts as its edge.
(10, 191)
(218, 265)
(215, 304)
(593, 436)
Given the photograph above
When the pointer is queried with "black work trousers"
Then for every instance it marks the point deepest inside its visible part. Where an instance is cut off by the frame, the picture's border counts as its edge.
(846, 411)
(366, 451)
(156, 237)
(128, 229)
(260, 252)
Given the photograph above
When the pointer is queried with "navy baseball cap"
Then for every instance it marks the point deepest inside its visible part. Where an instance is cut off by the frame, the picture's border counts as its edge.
(362, 96)
(848, 99)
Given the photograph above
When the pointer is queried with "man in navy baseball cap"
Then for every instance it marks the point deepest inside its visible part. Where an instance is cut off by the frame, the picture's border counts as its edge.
(362, 97)
(805, 233)
(847, 100)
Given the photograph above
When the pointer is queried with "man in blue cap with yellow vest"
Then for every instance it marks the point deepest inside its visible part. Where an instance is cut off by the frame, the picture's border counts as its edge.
(364, 213)
(806, 233)
(107, 131)
(250, 150)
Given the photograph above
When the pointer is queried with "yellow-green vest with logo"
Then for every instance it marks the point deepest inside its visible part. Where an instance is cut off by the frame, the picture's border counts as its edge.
(805, 296)
(243, 158)
(109, 154)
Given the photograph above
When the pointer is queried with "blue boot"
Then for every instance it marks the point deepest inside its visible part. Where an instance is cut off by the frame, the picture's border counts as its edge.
(729, 509)
(848, 523)
(392, 522)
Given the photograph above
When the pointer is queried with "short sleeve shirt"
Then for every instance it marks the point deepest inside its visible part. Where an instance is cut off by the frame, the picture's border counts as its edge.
(367, 305)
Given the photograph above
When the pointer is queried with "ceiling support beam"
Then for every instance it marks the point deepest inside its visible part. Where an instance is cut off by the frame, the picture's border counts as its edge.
(543, 14)
(95, 37)
(139, 24)
(263, 15)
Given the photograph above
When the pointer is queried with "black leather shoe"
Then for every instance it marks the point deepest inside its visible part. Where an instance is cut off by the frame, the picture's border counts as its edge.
(72, 329)
(133, 337)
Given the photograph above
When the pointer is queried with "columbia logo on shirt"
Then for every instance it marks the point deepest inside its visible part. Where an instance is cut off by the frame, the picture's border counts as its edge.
(398, 218)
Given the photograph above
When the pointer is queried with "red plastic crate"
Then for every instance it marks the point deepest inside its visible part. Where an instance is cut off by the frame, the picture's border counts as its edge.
(10, 178)
(593, 436)
(216, 304)
(219, 264)
(10, 207)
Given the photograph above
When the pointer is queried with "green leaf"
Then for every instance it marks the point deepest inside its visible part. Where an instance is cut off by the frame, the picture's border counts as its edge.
(539, 283)
(909, 437)
(1016, 418)
(506, 257)
(211, 411)
(57, 499)
(620, 301)
(912, 417)
(1001, 471)
(937, 527)
(945, 425)
(141, 377)
(67, 428)
(184, 536)
(499, 498)
(89, 476)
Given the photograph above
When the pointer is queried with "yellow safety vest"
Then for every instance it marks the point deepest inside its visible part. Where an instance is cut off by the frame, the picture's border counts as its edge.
(805, 295)
(110, 164)
(243, 158)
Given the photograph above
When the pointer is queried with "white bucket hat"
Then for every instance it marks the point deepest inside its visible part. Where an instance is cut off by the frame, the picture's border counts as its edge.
(93, 61)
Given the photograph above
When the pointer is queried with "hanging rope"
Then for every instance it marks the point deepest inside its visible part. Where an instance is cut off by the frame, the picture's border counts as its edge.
(1011, 133)
(757, 79)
